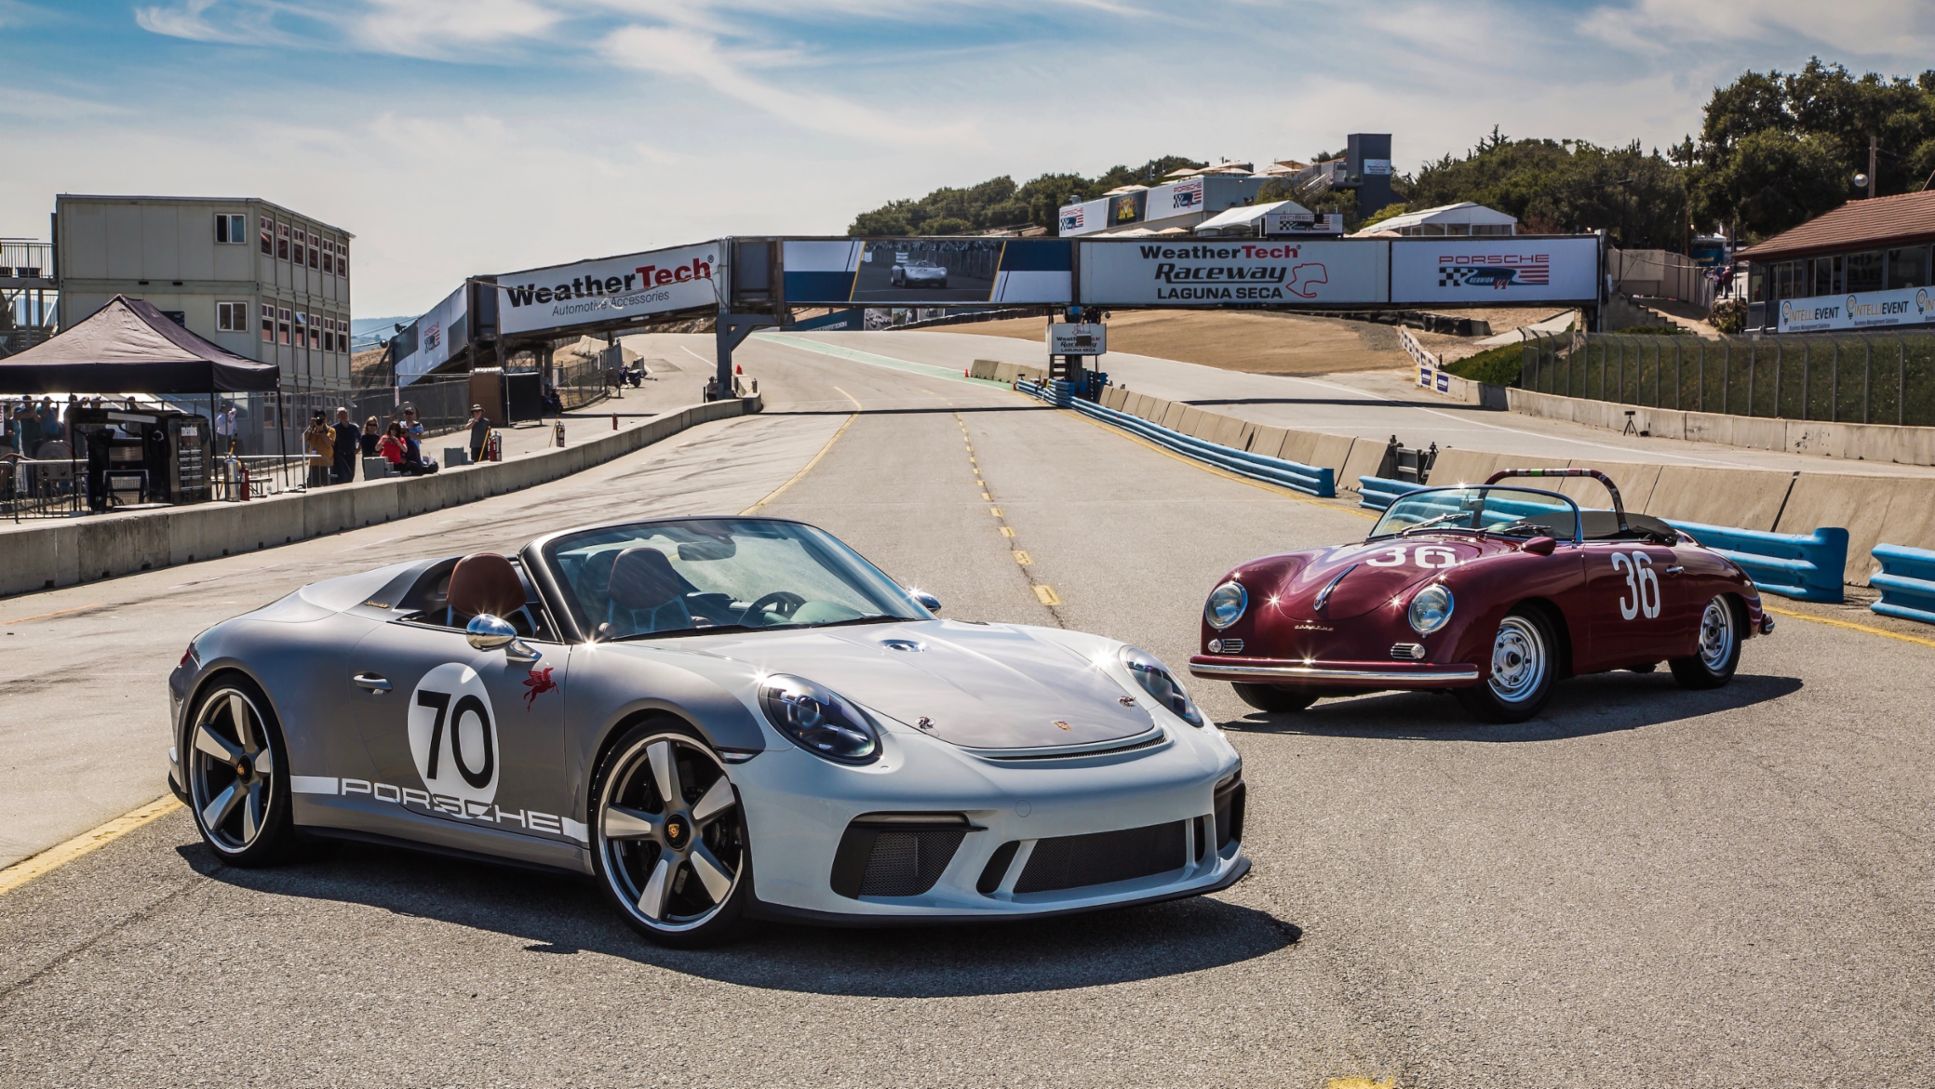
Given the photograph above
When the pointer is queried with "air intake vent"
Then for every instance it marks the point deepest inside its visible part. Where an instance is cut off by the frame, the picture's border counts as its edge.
(1407, 652)
(894, 859)
(1226, 646)
(1069, 862)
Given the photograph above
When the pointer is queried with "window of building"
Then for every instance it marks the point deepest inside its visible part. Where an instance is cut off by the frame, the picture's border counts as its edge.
(1908, 267)
(231, 229)
(1862, 271)
(268, 324)
(342, 265)
(267, 231)
(232, 317)
(315, 336)
(282, 325)
(315, 257)
(1826, 276)
(301, 237)
(342, 334)
(282, 244)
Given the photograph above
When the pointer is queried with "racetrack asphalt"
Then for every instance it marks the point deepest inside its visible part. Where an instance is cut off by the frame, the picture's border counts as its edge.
(1644, 887)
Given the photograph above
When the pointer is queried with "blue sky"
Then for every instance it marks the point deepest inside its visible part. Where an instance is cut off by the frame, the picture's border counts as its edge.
(463, 136)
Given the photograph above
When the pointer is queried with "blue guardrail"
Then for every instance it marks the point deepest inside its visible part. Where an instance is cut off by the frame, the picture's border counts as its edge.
(1906, 581)
(1309, 479)
(1806, 567)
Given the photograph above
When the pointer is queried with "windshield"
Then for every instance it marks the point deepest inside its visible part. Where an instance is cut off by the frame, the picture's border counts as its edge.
(1507, 512)
(667, 578)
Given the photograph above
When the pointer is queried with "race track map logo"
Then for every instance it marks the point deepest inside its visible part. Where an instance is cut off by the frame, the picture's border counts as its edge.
(1497, 271)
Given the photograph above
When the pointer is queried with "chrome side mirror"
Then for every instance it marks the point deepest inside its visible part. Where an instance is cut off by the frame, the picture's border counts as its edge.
(486, 632)
(925, 600)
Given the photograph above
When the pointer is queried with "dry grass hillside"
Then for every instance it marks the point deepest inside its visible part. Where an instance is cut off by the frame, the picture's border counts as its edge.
(1233, 340)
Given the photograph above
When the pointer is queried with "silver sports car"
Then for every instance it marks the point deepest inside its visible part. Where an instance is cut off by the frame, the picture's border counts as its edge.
(719, 718)
(918, 274)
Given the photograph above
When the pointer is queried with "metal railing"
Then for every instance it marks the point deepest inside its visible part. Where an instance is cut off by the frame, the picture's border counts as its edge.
(1877, 378)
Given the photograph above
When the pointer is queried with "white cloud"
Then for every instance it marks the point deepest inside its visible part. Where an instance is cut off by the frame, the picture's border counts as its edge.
(1898, 30)
(447, 28)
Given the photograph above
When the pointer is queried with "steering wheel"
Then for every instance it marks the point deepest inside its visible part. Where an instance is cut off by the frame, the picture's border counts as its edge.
(783, 602)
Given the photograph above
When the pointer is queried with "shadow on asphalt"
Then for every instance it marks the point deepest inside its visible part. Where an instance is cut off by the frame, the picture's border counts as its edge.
(565, 915)
(1351, 402)
(1599, 704)
(907, 411)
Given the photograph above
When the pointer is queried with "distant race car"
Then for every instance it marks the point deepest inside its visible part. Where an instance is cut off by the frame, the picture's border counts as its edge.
(718, 718)
(1492, 592)
(918, 274)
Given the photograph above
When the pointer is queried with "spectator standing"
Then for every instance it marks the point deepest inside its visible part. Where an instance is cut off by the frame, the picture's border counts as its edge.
(26, 420)
(371, 433)
(348, 439)
(225, 429)
(479, 432)
(320, 441)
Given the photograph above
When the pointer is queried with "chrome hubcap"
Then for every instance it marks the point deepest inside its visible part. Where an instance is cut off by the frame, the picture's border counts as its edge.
(1716, 635)
(231, 770)
(1518, 660)
(670, 833)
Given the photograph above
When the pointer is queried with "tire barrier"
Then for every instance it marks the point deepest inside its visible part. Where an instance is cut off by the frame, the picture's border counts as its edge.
(1311, 480)
(1906, 581)
(1806, 567)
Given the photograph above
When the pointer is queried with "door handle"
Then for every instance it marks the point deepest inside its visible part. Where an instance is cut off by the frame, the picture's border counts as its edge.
(1676, 569)
(374, 683)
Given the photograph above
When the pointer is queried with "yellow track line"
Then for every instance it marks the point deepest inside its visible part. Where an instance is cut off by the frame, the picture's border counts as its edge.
(1850, 625)
(808, 467)
(87, 842)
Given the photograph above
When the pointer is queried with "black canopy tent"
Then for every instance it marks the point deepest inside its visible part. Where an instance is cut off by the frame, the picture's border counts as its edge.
(128, 346)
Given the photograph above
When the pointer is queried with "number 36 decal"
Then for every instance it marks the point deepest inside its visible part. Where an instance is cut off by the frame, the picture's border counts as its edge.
(1642, 585)
(1422, 556)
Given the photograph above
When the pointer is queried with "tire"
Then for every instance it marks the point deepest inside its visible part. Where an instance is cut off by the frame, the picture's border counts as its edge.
(1273, 699)
(1524, 667)
(678, 867)
(237, 772)
(1713, 664)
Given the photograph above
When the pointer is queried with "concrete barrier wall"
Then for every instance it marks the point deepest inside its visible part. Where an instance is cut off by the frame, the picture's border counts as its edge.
(1862, 442)
(82, 550)
(1865, 506)
(1745, 498)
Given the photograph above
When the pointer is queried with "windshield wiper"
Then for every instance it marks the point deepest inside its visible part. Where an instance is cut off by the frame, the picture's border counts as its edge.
(1433, 523)
(716, 630)
(881, 619)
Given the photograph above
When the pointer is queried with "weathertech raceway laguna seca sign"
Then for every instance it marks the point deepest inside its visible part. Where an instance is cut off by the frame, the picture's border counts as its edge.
(609, 289)
(1234, 272)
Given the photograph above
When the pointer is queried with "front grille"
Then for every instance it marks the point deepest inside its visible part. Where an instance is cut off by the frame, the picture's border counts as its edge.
(1407, 652)
(1071, 862)
(1226, 645)
(886, 860)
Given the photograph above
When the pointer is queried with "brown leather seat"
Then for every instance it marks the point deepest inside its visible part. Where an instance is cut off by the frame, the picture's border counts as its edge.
(642, 578)
(485, 584)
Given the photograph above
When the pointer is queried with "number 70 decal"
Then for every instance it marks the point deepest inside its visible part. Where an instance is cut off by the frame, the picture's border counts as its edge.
(1642, 583)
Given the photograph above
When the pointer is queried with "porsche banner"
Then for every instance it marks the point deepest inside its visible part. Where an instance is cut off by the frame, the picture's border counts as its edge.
(1494, 270)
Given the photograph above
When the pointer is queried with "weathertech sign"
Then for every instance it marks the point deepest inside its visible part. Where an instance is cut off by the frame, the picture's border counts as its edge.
(1490, 270)
(1235, 273)
(613, 289)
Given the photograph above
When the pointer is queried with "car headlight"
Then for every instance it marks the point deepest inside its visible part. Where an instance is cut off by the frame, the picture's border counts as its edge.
(1155, 679)
(816, 719)
(1430, 609)
(1225, 605)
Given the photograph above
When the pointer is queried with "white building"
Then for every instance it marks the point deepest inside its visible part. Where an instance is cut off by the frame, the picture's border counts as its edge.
(254, 277)
(1449, 220)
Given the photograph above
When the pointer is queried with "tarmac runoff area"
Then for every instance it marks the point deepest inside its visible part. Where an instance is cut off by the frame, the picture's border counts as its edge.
(1644, 887)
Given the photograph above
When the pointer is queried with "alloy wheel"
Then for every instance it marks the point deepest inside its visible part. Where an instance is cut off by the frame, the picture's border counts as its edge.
(231, 770)
(670, 833)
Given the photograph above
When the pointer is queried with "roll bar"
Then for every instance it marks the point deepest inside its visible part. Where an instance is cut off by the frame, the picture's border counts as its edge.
(1619, 507)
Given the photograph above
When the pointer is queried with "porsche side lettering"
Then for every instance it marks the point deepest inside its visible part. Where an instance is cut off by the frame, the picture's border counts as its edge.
(442, 804)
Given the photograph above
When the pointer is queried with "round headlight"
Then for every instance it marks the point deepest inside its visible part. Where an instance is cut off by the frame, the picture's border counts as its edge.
(1226, 604)
(1155, 679)
(818, 720)
(1431, 609)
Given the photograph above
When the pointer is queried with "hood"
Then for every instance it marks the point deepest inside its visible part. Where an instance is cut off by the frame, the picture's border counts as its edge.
(981, 686)
(1368, 575)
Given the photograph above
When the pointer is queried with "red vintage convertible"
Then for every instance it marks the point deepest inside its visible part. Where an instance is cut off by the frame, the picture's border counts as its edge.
(1492, 592)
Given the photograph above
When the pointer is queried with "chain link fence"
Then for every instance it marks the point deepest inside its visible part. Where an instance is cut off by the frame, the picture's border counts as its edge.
(1854, 378)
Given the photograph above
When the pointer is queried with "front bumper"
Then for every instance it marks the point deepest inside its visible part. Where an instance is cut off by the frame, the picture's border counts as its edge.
(1350, 676)
(800, 810)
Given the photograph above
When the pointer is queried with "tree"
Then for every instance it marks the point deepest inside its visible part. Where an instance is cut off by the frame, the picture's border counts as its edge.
(999, 202)
(1770, 181)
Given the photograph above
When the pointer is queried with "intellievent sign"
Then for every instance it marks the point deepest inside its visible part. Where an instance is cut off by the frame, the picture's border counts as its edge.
(612, 289)
(1495, 270)
(1233, 272)
(1861, 310)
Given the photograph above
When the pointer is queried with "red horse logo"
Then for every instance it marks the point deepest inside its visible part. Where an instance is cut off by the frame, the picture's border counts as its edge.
(537, 684)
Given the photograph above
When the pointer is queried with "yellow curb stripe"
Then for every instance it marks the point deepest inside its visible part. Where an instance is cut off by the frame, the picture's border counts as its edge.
(1850, 625)
(807, 468)
(996, 511)
(87, 842)
(1023, 558)
(1007, 531)
(1047, 594)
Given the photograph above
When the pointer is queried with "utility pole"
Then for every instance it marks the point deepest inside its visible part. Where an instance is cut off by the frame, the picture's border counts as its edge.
(1872, 147)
